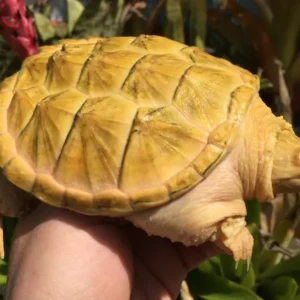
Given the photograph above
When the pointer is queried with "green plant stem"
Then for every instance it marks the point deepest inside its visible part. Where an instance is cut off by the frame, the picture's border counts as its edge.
(284, 29)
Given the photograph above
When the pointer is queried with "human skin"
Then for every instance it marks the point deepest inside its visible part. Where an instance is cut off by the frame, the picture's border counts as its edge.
(58, 254)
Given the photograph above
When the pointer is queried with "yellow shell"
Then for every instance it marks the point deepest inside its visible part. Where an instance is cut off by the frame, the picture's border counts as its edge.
(109, 126)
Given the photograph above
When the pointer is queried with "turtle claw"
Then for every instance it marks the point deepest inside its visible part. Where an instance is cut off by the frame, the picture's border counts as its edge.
(237, 264)
(235, 239)
(248, 263)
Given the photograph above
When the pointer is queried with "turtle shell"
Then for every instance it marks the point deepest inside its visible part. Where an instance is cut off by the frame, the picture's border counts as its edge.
(110, 126)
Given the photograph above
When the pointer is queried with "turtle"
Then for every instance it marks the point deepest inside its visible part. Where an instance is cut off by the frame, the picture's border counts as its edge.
(147, 130)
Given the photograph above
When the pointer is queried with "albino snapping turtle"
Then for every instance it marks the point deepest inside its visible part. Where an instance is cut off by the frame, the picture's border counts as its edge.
(146, 128)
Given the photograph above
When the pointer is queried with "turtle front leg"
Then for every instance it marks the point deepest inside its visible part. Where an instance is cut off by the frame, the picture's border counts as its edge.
(213, 211)
(195, 222)
(233, 236)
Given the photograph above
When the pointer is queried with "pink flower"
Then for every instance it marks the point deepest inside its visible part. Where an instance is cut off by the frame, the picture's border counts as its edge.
(17, 28)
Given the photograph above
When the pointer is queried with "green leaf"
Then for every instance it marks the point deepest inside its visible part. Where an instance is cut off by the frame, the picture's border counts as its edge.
(265, 84)
(228, 266)
(100, 18)
(3, 275)
(289, 267)
(238, 272)
(75, 9)
(212, 287)
(174, 28)
(249, 279)
(253, 212)
(198, 18)
(44, 27)
(282, 288)
(284, 29)
(212, 265)
(282, 234)
(61, 30)
(255, 259)
(253, 221)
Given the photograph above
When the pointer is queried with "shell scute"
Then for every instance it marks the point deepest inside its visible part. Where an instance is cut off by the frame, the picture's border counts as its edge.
(180, 183)
(203, 59)
(41, 142)
(22, 108)
(64, 71)
(207, 158)
(34, 71)
(5, 100)
(98, 77)
(112, 199)
(93, 153)
(156, 44)
(114, 44)
(149, 196)
(241, 98)
(20, 173)
(7, 149)
(222, 134)
(78, 199)
(78, 49)
(203, 96)
(162, 143)
(48, 190)
(153, 79)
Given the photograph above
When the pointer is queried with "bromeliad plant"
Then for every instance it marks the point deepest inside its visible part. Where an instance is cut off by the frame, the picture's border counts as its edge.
(16, 26)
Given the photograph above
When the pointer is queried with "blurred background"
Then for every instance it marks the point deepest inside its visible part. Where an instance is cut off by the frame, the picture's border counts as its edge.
(262, 36)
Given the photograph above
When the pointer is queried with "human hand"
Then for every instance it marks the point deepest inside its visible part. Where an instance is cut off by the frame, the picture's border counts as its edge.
(61, 255)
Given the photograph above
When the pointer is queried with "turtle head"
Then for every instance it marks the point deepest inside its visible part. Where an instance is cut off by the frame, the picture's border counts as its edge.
(286, 163)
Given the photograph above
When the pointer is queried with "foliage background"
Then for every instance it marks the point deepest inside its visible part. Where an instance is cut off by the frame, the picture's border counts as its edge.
(262, 36)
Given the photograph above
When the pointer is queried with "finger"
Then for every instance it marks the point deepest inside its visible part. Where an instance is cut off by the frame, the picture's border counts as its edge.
(194, 255)
(168, 262)
(157, 258)
(61, 255)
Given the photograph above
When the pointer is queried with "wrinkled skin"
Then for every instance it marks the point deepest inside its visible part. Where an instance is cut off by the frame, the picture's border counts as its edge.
(58, 254)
